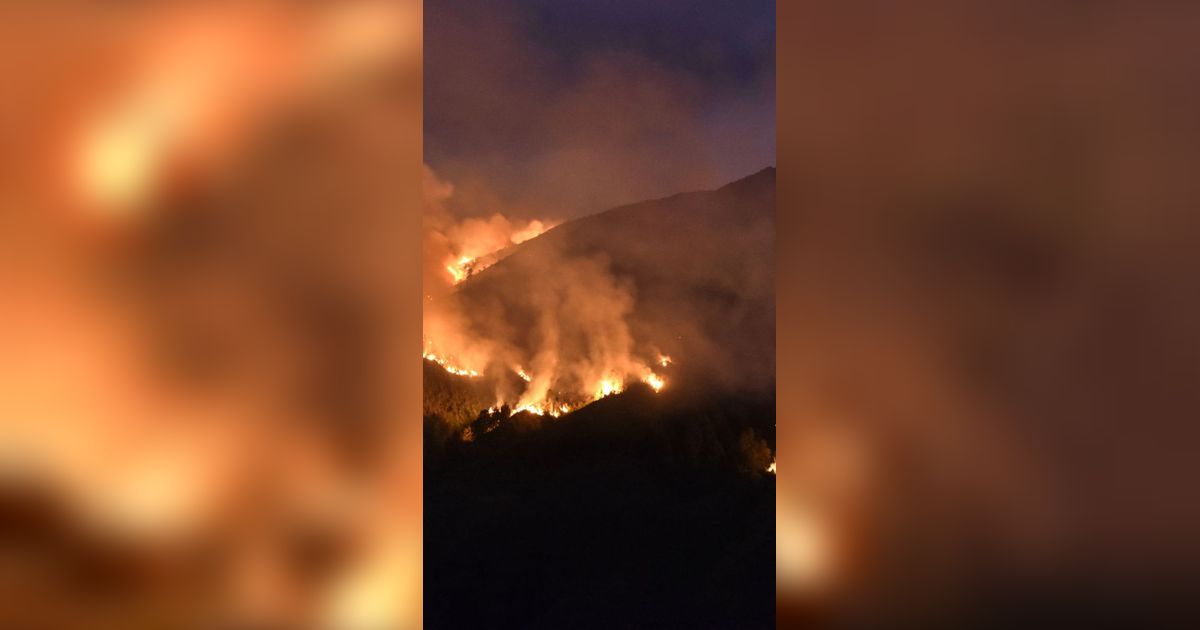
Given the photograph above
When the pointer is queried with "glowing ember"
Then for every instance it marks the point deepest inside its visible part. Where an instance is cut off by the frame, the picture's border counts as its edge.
(771, 468)
(664, 360)
(524, 375)
(655, 381)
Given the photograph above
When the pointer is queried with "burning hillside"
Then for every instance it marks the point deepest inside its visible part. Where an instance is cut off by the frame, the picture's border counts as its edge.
(553, 321)
(567, 328)
(458, 248)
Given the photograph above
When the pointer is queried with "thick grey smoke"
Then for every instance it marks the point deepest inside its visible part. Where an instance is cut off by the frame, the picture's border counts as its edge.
(597, 303)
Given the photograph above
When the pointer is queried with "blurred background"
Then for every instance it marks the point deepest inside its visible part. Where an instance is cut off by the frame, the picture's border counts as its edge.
(988, 314)
(210, 217)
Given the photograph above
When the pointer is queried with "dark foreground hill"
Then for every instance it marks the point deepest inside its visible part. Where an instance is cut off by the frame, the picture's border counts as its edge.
(639, 510)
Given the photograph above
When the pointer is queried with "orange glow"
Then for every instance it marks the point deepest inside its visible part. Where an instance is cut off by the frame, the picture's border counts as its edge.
(120, 154)
(655, 381)
(803, 549)
(531, 408)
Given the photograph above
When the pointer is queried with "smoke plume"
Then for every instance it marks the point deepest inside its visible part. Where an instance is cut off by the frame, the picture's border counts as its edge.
(567, 337)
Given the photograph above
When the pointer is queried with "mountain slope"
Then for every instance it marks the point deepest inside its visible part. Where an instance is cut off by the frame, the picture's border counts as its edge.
(698, 268)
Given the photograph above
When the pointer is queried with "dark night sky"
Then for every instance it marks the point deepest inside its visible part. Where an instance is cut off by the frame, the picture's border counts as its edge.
(564, 107)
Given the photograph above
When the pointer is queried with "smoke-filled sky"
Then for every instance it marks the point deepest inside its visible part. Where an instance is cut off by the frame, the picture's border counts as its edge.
(538, 108)
(540, 112)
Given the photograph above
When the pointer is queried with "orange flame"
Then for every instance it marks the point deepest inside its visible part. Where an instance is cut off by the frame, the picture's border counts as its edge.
(449, 366)
(542, 402)
(474, 250)
(461, 269)
(543, 408)
(533, 409)
(607, 387)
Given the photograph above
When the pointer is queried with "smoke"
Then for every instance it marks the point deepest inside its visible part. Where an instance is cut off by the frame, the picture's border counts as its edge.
(454, 249)
(581, 340)
(566, 334)
(606, 119)
(520, 127)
